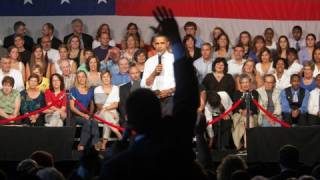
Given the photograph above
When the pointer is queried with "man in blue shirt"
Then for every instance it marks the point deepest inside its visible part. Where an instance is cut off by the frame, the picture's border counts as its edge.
(111, 61)
(294, 102)
(122, 77)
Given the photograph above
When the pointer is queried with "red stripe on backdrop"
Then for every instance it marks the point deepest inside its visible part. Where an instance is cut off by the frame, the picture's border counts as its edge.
(235, 9)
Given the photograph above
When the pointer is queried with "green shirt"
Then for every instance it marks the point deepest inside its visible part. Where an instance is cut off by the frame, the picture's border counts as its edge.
(7, 102)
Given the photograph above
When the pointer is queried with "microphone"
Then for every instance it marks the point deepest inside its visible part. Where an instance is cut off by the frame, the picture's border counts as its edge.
(159, 58)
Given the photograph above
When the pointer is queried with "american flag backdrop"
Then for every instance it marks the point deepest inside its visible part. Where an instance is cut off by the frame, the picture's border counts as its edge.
(232, 15)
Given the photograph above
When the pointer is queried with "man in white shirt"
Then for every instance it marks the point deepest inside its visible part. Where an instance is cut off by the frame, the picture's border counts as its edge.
(203, 65)
(314, 104)
(15, 74)
(51, 54)
(235, 65)
(158, 74)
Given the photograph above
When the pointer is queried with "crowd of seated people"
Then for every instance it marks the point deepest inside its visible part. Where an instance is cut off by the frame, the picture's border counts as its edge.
(282, 75)
(82, 77)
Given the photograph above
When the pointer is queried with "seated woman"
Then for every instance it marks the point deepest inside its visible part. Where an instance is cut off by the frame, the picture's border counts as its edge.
(107, 99)
(140, 57)
(249, 69)
(265, 65)
(9, 98)
(37, 57)
(32, 99)
(84, 94)
(223, 47)
(24, 53)
(240, 113)
(93, 66)
(103, 28)
(257, 45)
(132, 28)
(193, 52)
(216, 32)
(13, 54)
(282, 48)
(219, 79)
(307, 80)
(281, 74)
(56, 94)
(132, 46)
(75, 51)
(43, 83)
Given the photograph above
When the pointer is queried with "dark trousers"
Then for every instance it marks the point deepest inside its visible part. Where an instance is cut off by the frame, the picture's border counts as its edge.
(89, 132)
(301, 120)
(203, 152)
(222, 133)
(167, 106)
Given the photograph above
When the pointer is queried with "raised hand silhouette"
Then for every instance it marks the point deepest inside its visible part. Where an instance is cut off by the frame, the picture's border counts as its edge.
(168, 27)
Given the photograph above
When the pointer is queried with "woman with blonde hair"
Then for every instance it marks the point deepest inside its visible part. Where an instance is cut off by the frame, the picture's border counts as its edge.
(84, 95)
(249, 69)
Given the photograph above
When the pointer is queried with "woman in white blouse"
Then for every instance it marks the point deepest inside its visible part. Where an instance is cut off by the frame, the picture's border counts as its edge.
(281, 74)
(107, 99)
(316, 60)
(265, 66)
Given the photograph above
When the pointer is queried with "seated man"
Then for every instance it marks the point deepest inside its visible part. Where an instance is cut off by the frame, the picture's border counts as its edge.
(269, 99)
(314, 104)
(126, 89)
(294, 102)
(122, 77)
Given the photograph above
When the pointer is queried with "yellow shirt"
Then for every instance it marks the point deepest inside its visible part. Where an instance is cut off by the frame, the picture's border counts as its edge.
(43, 86)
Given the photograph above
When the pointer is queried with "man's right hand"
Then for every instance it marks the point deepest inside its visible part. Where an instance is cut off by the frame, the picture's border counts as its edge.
(158, 70)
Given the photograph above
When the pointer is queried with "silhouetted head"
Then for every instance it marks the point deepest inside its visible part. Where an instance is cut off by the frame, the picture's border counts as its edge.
(289, 156)
(143, 111)
(43, 158)
(229, 165)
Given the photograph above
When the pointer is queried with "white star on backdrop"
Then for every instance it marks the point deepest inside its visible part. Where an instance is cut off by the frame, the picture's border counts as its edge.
(27, 1)
(102, 1)
(65, 1)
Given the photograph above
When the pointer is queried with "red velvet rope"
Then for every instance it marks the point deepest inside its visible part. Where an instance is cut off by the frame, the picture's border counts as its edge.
(26, 115)
(5, 121)
(97, 117)
(217, 119)
(284, 124)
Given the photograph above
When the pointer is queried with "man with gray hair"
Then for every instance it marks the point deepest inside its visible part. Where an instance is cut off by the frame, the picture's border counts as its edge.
(85, 39)
(68, 76)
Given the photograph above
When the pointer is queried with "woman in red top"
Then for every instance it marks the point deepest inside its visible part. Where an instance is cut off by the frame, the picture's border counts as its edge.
(56, 95)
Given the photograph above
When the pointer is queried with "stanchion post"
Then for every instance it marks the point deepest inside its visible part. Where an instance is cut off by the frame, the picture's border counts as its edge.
(248, 101)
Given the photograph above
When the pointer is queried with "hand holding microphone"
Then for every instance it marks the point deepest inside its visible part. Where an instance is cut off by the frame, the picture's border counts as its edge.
(158, 69)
